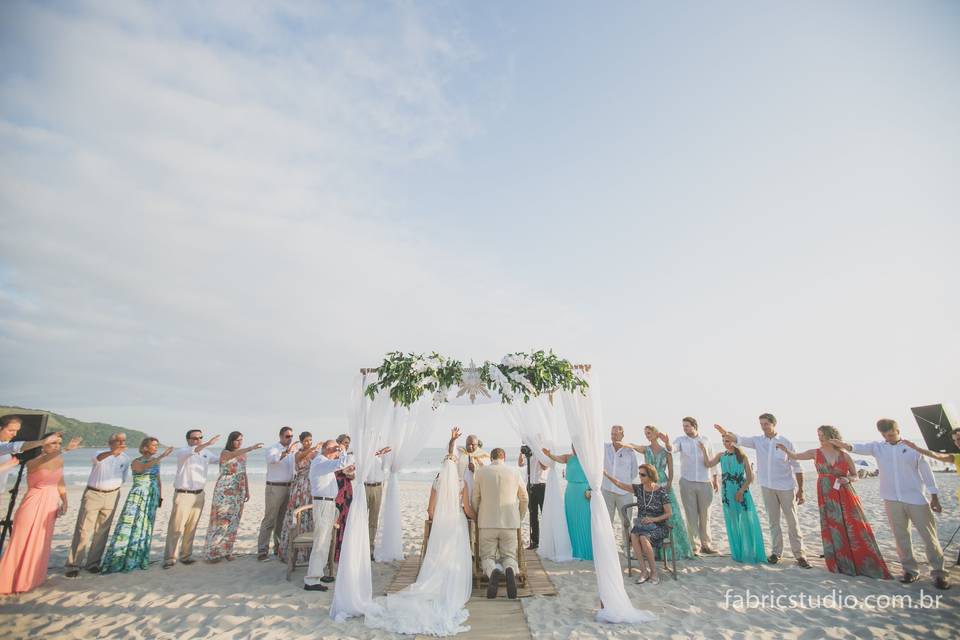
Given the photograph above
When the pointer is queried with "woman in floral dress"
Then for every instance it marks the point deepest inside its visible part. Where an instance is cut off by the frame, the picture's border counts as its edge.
(229, 495)
(849, 546)
(300, 495)
(344, 498)
(129, 547)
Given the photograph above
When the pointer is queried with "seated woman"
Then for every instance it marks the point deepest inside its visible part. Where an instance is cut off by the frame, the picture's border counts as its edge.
(650, 527)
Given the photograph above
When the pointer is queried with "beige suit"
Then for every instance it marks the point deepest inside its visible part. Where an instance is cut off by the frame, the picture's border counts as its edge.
(500, 500)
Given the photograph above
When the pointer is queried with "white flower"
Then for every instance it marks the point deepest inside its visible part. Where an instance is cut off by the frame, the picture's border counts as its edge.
(439, 397)
(500, 380)
(519, 378)
(419, 366)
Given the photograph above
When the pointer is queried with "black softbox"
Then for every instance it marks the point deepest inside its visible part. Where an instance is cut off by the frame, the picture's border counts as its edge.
(936, 423)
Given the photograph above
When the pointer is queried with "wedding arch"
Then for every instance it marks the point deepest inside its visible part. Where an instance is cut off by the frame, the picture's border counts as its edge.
(544, 397)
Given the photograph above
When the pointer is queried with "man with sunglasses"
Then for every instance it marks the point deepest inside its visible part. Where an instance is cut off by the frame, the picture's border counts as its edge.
(280, 472)
(188, 486)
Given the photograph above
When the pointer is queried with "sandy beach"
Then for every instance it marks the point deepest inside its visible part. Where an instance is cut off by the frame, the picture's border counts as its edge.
(250, 599)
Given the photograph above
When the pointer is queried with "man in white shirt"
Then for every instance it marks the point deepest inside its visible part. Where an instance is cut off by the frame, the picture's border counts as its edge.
(280, 471)
(903, 474)
(697, 486)
(779, 477)
(111, 467)
(323, 485)
(188, 496)
(536, 491)
(620, 462)
(373, 488)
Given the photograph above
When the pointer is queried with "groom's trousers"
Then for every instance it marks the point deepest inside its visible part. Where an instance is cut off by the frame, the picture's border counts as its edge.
(494, 540)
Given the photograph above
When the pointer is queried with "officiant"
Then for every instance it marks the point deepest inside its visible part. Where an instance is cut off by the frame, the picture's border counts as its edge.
(470, 459)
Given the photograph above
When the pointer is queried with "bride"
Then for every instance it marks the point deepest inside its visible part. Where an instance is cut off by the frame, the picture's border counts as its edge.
(433, 605)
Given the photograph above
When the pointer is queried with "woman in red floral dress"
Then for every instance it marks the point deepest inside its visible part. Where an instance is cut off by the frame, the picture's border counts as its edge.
(849, 546)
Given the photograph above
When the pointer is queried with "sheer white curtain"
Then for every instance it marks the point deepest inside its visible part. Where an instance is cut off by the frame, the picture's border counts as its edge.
(539, 423)
(406, 435)
(585, 422)
(368, 421)
(434, 604)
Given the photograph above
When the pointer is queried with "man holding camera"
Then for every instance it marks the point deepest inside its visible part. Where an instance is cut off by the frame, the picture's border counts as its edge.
(535, 490)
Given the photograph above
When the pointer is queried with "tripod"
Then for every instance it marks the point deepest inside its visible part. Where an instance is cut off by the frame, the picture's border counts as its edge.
(7, 523)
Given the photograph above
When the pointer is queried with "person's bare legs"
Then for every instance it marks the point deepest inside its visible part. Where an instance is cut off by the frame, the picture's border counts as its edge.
(648, 554)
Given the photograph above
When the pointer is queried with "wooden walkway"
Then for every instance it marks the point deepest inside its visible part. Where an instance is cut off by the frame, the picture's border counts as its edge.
(493, 619)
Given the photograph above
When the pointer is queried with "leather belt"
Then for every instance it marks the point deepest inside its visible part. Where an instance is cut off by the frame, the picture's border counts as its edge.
(102, 490)
(278, 484)
(372, 484)
(319, 498)
(193, 491)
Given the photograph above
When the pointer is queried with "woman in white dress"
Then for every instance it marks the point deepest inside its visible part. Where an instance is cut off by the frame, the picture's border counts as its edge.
(434, 604)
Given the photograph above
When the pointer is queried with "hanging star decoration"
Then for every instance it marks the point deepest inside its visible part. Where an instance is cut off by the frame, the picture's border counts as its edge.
(472, 385)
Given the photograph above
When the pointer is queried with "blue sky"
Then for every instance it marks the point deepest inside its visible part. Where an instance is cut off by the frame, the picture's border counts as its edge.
(215, 213)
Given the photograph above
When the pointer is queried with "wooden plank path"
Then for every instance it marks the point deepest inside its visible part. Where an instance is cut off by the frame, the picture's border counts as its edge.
(494, 619)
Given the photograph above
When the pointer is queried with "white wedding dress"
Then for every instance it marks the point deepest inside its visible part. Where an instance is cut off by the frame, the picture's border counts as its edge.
(433, 605)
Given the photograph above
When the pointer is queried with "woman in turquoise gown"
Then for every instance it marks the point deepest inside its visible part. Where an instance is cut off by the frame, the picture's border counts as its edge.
(576, 503)
(661, 459)
(739, 511)
(129, 547)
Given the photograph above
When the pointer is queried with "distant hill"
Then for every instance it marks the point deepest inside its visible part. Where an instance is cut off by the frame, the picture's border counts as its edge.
(94, 434)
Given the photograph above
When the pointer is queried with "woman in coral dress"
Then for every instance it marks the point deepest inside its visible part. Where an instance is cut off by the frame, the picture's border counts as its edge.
(24, 563)
(849, 546)
(229, 496)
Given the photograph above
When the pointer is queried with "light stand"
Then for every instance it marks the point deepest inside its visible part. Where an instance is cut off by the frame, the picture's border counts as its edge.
(7, 523)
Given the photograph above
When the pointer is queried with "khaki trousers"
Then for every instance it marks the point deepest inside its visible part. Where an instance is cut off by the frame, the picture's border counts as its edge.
(93, 528)
(324, 517)
(275, 502)
(697, 497)
(777, 501)
(900, 515)
(493, 541)
(615, 502)
(374, 498)
(184, 518)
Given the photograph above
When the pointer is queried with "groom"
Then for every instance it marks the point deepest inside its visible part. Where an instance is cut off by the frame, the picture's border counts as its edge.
(500, 500)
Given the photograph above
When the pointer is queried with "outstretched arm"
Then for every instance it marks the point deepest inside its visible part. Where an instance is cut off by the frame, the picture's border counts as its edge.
(809, 454)
(622, 485)
(562, 459)
(707, 460)
(942, 457)
(454, 434)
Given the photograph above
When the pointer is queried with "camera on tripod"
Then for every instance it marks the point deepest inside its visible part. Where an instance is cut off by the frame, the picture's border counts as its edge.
(527, 451)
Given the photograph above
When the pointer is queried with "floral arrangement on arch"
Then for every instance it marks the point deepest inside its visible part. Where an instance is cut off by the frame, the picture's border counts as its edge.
(518, 375)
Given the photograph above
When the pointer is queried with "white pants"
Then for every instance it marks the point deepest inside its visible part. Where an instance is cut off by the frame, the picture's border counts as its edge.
(777, 501)
(324, 517)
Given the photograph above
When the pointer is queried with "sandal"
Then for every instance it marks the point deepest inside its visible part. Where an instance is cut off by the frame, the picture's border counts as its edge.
(642, 580)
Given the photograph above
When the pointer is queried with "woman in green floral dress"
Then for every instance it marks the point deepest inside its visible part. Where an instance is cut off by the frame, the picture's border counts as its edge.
(129, 547)
(229, 496)
(659, 456)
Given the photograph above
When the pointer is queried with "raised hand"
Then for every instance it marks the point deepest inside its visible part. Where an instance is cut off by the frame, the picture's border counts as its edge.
(910, 444)
(259, 445)
(73, 444)
(838, 443)
(546, 452)
(383, 451)
(167, 452)
(455, 433)
(663, 437)
(213, 440)
(53, 437)
(720, 429)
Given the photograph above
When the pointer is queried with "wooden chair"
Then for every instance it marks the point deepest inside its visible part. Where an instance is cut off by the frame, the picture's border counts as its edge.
(299, 540)
(666, 544)
(479, 578)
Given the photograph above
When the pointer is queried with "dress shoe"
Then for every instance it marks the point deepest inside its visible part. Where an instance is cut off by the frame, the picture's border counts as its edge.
(773, 559)
(263, 557)
(909, 578)
(494, 583)
(532, 547)
(168, 564)
(511, 583)
(314, 587)
(803, 563)
(187, 561)
(72, 573)
(327, 579)
(94, 569)
(941, 582)
(709, 551)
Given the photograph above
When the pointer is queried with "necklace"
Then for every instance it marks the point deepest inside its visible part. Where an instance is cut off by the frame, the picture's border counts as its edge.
(646, 503)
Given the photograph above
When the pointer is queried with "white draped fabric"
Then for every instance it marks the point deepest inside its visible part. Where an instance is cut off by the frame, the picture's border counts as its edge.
(586, 429)
(368, 420)
(434, 604)
(406, 433)
(539, 423)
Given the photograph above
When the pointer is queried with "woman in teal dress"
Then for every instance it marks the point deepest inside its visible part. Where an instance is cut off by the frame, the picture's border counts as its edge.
(129, 548)
(739, 512)
(658, 456)
(576, 502)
